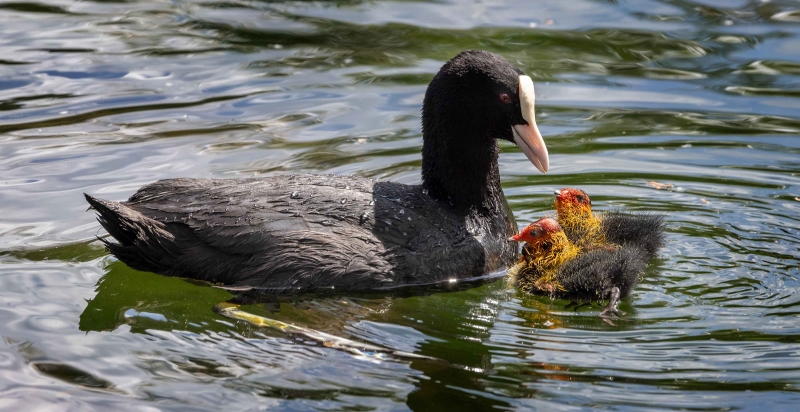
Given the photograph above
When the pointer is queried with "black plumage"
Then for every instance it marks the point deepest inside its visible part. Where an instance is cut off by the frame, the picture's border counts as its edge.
(314, 232)
(592, 276)
(641, 230)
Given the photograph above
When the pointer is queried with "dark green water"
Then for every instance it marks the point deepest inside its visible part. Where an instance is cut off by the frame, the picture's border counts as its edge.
(103, 97)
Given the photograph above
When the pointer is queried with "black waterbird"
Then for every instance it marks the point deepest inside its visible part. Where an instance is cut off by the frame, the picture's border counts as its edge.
(313, 232)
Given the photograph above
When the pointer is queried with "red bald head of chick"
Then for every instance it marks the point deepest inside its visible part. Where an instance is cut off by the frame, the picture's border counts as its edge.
(572, 202)
(538, 231)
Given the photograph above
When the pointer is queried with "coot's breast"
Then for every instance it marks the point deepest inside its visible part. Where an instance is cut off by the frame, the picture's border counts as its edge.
(309, 232)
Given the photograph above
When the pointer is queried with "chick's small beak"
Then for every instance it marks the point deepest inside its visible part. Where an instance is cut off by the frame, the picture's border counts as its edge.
(527, 136)
(557, 193)
(515, 238)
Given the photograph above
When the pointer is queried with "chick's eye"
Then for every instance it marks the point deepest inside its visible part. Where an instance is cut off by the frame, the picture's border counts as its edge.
(580, 198)
(505, 98)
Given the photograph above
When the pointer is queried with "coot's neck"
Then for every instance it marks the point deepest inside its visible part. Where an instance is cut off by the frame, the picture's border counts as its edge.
(459, 166)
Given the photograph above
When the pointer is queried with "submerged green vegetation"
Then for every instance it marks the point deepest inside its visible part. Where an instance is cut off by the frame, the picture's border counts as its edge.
(687, 108)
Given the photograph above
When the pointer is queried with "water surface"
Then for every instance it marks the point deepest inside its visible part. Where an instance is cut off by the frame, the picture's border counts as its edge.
(701, 97)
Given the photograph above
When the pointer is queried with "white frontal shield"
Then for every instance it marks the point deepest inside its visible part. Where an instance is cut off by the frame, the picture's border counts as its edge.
(527, 136)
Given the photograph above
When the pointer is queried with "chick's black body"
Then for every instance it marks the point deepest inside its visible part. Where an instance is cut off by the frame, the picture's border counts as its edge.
(312, 232)
(593, 275)
(601, 274)
(644, 231)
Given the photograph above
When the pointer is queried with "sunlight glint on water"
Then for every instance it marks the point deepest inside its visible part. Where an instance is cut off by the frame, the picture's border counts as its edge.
(103, 97)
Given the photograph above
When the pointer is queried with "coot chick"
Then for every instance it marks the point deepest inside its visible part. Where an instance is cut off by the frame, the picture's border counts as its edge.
(575, 216)
(309, 233)
(555, 266)
(590, 230)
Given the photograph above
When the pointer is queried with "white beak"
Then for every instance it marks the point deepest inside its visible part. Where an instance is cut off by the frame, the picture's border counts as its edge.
(527, 136)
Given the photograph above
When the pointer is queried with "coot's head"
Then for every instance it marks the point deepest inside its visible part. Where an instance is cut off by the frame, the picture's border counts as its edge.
(538, 232)
(478, 97)
(572, 202)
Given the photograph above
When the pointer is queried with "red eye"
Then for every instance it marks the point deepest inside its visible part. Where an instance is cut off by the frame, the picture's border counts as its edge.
(505, 98)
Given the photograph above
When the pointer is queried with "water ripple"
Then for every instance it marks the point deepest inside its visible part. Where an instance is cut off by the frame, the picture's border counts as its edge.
(689, 108)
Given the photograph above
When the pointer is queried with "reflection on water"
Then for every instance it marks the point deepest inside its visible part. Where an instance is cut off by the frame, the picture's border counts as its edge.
(103, 97)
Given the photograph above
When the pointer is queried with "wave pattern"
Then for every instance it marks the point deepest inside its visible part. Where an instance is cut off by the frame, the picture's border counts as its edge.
(700, 97)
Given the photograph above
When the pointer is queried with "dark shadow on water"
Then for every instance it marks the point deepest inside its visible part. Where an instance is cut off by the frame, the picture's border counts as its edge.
(72, 253)
(458, 326)
(146, 301)
(55, 369)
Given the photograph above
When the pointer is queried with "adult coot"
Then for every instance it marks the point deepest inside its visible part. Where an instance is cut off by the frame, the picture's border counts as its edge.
(310, 232)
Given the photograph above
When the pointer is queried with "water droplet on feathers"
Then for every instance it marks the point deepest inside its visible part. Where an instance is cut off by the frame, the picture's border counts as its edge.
(295, 195)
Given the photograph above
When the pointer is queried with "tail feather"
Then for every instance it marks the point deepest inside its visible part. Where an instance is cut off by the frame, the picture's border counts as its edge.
(142, 243)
